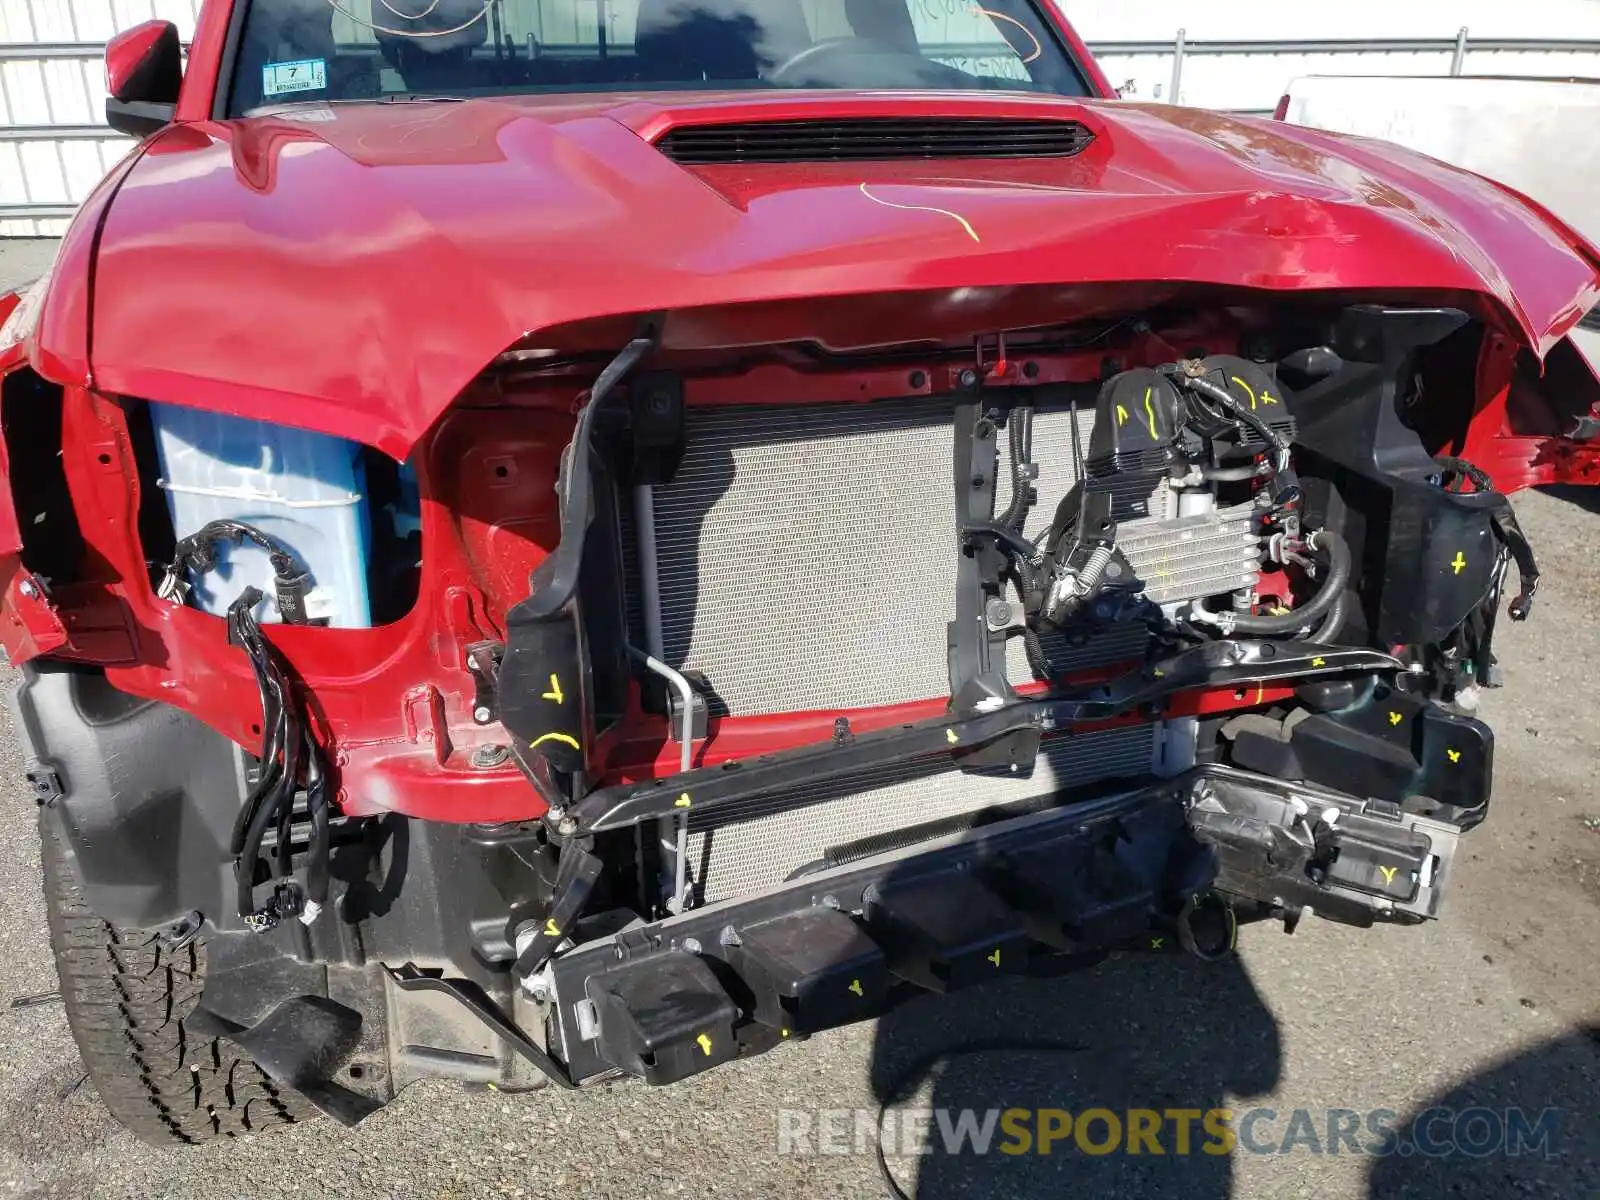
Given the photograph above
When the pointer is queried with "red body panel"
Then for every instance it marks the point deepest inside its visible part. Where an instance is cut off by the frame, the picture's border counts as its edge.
(353, 274)
(353, 269)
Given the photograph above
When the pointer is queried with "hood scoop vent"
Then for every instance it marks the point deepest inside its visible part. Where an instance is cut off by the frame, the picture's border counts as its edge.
(873, 139)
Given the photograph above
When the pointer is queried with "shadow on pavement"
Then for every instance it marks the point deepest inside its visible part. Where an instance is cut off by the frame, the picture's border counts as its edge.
(1493, 1156)
(1157, 1032)
(1583, 497)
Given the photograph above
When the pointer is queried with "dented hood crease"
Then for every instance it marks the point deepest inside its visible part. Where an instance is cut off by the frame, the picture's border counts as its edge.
(351, 269)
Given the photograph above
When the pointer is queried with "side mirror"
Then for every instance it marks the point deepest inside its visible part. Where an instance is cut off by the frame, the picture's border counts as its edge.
(144, 70)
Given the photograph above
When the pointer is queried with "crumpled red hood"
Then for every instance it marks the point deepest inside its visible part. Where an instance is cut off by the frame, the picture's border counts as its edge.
(351, 268)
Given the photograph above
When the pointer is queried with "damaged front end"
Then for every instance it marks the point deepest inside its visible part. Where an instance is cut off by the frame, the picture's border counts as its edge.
(717, 690)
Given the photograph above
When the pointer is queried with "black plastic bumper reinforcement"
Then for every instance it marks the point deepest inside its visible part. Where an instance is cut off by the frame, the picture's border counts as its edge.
(670, 999)
(1214, 664)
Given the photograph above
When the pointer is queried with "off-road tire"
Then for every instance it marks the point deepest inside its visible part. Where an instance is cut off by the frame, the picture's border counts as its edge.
(127, 996)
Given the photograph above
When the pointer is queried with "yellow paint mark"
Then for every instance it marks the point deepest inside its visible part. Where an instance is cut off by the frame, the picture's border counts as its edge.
(1388, 873)
(682, 801)
(943, 212)
(555, 690)
(1159, 673)
(1157, 942)
(994, 958)
(1395, 718)
(1455, 755)
(1122, 415)
(1268, 398)
(551, 929)
(557, 737)
(1248, 391)
(1319, 662)
(783, 1033)
(1459, 562)
(1000, 16)
(1151, 413)
(704, 1043)
(1261, 690)
(855, 986)
(951, 736)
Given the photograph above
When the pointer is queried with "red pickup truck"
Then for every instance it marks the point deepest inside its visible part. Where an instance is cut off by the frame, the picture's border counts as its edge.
(543, 552)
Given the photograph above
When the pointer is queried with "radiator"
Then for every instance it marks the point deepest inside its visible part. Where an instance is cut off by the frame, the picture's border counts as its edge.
(807, 553)
(806, 559)
(783, 831)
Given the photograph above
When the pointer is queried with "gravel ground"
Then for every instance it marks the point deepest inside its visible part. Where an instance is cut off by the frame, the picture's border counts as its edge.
(1495, 1005)
(23, 260)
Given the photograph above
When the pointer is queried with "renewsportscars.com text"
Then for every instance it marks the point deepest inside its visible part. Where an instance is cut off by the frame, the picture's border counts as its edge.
(1374, 1133)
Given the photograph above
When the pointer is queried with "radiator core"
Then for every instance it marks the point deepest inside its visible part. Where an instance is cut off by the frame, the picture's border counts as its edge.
(807, 553)
(806, 559)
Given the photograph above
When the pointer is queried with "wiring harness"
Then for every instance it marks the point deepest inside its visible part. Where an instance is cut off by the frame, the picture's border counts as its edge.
(197, 554)
(288, 753)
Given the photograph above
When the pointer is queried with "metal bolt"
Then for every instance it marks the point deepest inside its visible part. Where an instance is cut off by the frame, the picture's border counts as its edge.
(28, 589)
(692, 945)
(481, 714)
(566, 827)
(968, 378)
(918, 380)
(490, 755)
(998, 613)
(472, 662)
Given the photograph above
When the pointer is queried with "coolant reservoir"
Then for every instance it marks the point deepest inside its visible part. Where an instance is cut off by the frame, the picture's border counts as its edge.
(305, 490)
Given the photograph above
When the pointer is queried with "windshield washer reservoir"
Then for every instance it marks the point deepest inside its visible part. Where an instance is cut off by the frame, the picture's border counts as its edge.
(307, 491)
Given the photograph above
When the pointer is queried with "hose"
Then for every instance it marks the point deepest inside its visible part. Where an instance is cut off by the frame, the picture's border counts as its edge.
(1236, 474)
(1331, 625)
(1274, 440)
(1328, 595)
(1006, 536)
(1020, 435)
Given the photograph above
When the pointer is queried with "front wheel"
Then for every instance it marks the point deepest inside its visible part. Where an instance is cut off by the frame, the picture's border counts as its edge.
(127, 996)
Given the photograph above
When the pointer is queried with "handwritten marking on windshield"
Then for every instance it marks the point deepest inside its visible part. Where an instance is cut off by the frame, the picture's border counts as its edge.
(943, 212)
(1000, 16)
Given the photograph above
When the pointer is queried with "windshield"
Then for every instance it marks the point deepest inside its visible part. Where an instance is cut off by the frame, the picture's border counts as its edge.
(320, 50)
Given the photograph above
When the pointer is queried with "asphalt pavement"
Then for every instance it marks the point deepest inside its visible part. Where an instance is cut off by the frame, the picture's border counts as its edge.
(1494, 1007)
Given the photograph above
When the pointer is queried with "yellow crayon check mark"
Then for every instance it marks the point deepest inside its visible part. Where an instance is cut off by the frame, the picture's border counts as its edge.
(551, 929)
(1268, 398)
(1319, 662)
(943, 212)
(1455, 755)
(1395, 718)
(1151, 413)
(1248, 391)
(994, 958)
(1156, 943)
(783, 1033)
(555, 691)
(1122, 415)
(558, 737)
(1159, 673)
(1459, 562)
(1388, 873)
(855, 986)
(705, 1044)
(951, 736)
(682, 801)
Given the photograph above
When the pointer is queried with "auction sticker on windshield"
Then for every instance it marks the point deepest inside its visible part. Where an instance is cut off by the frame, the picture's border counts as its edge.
(303, 75)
